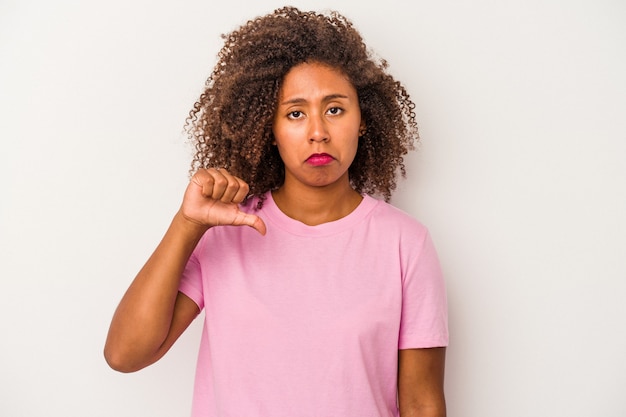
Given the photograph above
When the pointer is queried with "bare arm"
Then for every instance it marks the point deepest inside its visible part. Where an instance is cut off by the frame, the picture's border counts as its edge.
(420, 382)
(143, 319)
(153, 314)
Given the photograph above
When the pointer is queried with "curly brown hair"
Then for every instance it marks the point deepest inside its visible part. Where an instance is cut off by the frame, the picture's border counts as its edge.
(231, 123)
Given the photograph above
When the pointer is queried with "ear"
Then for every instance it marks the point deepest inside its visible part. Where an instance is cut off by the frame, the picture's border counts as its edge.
(362, 128)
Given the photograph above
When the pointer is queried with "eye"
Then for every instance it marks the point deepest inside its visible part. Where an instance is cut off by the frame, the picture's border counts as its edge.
(335, 111)
(295, 114)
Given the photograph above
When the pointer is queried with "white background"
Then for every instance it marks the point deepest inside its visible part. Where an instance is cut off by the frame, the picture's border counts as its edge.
(520, 177)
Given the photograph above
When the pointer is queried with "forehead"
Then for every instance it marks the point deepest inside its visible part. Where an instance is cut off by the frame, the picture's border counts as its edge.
(310, 79)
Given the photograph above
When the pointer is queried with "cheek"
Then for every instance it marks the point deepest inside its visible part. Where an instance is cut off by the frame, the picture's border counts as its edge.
(286, 149)
(355, 140)
(285, 132)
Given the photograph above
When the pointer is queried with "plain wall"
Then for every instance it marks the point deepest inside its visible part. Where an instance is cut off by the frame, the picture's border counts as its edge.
(520, 177)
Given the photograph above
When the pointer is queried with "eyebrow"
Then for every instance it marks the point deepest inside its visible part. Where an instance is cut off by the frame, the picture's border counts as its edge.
(298, 100)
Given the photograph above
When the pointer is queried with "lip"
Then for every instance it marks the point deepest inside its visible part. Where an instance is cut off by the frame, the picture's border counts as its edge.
(319, 159)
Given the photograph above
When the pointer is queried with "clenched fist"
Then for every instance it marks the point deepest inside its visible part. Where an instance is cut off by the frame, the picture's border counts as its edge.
(212, 199)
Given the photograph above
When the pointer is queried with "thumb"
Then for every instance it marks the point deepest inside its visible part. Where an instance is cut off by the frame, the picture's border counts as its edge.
(254, 221)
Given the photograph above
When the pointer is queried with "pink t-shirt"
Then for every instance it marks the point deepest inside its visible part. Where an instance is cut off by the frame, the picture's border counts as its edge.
(308, 320)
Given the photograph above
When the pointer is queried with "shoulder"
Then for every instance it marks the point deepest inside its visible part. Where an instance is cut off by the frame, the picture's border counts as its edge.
(396, 220)
(392, 227)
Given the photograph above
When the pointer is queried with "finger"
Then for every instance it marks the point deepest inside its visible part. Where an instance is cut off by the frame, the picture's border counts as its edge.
(205, 181)
(218, 184)
(199, 177)
(253, 221)
(242, 192)
(259, 225)
(231, 187)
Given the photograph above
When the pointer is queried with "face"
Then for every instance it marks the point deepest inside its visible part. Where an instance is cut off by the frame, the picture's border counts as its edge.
(316, 126)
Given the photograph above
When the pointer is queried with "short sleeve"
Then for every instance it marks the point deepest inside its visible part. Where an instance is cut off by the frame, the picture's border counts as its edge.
(424, 321)
(191, 280)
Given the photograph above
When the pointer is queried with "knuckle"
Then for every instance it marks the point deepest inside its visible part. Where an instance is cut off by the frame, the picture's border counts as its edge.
(220, 181)
(233, 186)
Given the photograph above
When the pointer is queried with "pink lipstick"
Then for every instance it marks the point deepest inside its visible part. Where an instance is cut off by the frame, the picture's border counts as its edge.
(319, 159)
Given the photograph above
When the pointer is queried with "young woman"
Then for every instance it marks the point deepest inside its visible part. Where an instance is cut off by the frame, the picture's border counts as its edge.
(319, 299)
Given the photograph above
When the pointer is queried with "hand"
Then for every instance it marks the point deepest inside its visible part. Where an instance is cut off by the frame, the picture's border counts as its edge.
(212, 199)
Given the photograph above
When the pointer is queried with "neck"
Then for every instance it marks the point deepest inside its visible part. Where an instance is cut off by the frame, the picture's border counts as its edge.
(317, 205)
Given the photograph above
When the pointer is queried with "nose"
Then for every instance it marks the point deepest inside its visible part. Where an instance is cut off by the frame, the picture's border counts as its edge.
(317, 130)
